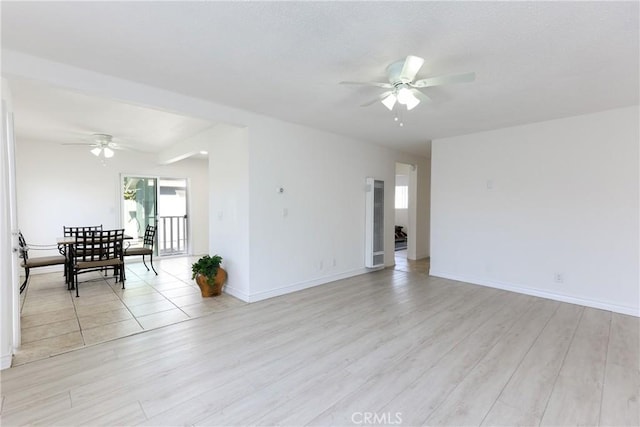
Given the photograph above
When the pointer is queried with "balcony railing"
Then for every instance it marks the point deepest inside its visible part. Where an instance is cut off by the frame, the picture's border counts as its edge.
(172, 235)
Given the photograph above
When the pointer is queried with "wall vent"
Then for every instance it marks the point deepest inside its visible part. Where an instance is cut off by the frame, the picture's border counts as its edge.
(374, 222)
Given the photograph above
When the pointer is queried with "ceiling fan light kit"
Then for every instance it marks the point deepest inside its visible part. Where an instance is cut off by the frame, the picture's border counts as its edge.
(103, 142)
(403, 89)
(389, 101)
(103, 145)
(106, 151)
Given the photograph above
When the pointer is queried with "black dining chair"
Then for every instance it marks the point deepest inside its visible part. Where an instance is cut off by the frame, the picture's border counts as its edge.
(97, 251)
(73, 231)
(146, 248)
(29, 263)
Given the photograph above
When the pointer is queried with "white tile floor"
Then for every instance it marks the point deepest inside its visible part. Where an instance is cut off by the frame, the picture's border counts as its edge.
(55, 321)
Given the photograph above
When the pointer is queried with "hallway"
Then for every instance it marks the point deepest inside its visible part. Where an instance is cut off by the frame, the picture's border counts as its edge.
(411, 266)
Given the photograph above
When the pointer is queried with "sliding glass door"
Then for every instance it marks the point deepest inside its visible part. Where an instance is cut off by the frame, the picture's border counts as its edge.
(172, 216)
(140, 204)
(161, 202)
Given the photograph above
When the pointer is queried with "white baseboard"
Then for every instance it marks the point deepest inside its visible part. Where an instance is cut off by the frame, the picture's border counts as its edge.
(259, 296)
(236, 293)
(631, 311)
(5, 361)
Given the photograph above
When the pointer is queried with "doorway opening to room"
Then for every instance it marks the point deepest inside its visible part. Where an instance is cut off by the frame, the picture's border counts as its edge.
(404, 203)
(161, 202)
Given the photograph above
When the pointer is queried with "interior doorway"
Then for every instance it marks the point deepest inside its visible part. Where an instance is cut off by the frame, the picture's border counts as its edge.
(403, 215)
(161, 202)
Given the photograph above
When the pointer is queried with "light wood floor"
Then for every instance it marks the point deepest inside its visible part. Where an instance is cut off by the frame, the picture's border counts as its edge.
(405, 264)
(390, 347)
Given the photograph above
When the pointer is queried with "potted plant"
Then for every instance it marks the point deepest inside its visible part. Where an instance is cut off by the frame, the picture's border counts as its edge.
(209, 276)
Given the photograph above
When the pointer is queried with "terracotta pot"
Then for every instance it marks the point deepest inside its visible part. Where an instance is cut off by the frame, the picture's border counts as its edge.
(208, 290)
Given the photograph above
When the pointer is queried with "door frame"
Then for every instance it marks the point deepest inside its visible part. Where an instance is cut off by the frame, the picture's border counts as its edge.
(10, 335)
(188, 248)
(412, 185)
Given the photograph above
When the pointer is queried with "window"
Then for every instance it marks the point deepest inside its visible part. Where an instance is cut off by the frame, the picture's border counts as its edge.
(402, 197)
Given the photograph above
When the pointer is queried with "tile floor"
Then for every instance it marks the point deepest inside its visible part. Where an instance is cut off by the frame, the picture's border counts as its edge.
(55, 321)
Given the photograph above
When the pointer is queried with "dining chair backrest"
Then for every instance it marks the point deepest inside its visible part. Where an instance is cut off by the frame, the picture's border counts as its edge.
(22, 247)
(41, 261)
(72, 231)
(98, 245)
(146, 249)
(149, 237)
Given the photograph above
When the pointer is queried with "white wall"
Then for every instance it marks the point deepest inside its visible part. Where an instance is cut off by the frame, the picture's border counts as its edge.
(511, 208)
(67, 186)
(229, 207)
(313, 232)
(323, 175)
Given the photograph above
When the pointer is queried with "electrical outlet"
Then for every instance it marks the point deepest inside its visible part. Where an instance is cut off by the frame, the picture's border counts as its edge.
(558, 278)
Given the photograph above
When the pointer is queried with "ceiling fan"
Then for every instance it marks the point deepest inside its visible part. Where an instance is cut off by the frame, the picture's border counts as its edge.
(404, 89)
(102, 145)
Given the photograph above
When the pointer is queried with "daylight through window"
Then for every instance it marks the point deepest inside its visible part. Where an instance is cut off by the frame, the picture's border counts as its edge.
(402, 197)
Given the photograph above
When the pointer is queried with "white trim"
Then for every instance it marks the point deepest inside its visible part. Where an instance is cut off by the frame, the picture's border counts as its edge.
(236, 293)
(5, 361)
(10, 333)
(631, 311)
(302, 285)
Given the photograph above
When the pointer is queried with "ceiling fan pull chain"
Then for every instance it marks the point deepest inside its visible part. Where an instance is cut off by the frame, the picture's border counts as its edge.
(398, 117)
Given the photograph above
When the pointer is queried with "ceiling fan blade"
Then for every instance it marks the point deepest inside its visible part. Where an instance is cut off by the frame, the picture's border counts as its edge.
(421, 96)
(378, 99)
(377, 84)
(84, 144)
(123, 147)
(410, 68)
(443, 80)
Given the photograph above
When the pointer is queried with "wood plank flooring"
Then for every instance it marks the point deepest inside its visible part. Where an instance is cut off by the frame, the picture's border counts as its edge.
(390, 347)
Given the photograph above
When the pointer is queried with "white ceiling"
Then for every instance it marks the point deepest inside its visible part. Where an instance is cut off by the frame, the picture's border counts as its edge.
(534, 60)
(50, 114)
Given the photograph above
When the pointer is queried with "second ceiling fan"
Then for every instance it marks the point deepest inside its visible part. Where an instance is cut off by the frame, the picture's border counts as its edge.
(404, 89)
(102, 144)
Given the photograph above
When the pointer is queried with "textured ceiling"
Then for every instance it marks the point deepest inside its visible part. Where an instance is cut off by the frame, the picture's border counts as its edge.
(534, 60)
